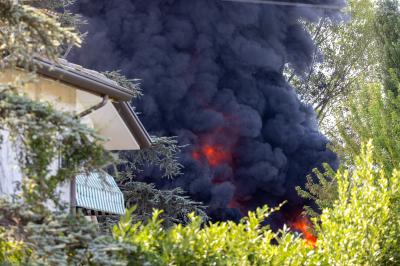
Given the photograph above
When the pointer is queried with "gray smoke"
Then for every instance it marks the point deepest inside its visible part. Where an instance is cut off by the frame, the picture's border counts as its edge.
(211, 73)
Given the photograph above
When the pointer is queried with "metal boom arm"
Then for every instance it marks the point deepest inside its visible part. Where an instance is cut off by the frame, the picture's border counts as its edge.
(285, 3)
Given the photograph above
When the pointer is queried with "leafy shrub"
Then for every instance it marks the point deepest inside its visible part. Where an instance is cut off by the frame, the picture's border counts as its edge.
(362, 227)
(321, 188)
(373, 114)
(225, 243)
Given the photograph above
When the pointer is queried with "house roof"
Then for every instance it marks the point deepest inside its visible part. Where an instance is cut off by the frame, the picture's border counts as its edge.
(96, 83)
(83, 78)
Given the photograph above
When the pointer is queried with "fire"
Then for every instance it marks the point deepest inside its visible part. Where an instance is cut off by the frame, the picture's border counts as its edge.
(303, 225)
(214, 155)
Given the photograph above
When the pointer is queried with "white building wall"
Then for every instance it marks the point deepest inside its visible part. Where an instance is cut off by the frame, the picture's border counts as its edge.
(10, 173)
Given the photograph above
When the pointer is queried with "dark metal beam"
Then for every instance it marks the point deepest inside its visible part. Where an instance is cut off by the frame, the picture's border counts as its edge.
(135, 126)
(286, 3)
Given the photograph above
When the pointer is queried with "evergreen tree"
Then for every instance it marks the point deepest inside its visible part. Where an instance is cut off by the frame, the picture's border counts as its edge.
(361, 227)
(46, 27)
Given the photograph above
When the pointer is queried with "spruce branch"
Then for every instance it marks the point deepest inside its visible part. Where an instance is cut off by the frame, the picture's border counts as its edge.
(26, 32)
(131, 84)
(176, 206)
(162, 153)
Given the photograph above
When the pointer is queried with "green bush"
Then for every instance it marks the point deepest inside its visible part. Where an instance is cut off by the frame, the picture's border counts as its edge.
(225, 243)
(361, 228)
(373, 114)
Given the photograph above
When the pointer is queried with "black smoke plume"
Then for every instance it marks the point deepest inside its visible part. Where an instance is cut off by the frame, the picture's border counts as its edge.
(211, 74)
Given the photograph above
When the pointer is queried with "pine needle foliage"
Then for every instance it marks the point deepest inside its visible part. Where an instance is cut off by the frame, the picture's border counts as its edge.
(163, 153)
(362, 227)
(175, 205)
(30, 238)
(42, 134)
(29, 233)
(59, 9)
(146, 197)
(27, 32)
(123, 81)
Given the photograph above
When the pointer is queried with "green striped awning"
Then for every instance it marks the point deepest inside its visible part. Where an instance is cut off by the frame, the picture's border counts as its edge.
(99, 192)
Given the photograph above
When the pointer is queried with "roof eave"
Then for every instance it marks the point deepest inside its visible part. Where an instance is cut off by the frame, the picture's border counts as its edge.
(120, 95)
(82, 80)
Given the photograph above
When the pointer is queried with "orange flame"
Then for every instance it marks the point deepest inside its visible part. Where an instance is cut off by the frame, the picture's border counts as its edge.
(303, 225)
(214, 155)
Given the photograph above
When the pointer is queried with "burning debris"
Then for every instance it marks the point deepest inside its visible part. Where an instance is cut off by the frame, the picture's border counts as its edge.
(304, 226)
(212, 75)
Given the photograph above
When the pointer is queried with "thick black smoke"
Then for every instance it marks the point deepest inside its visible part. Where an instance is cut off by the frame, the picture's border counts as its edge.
(212, 75)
